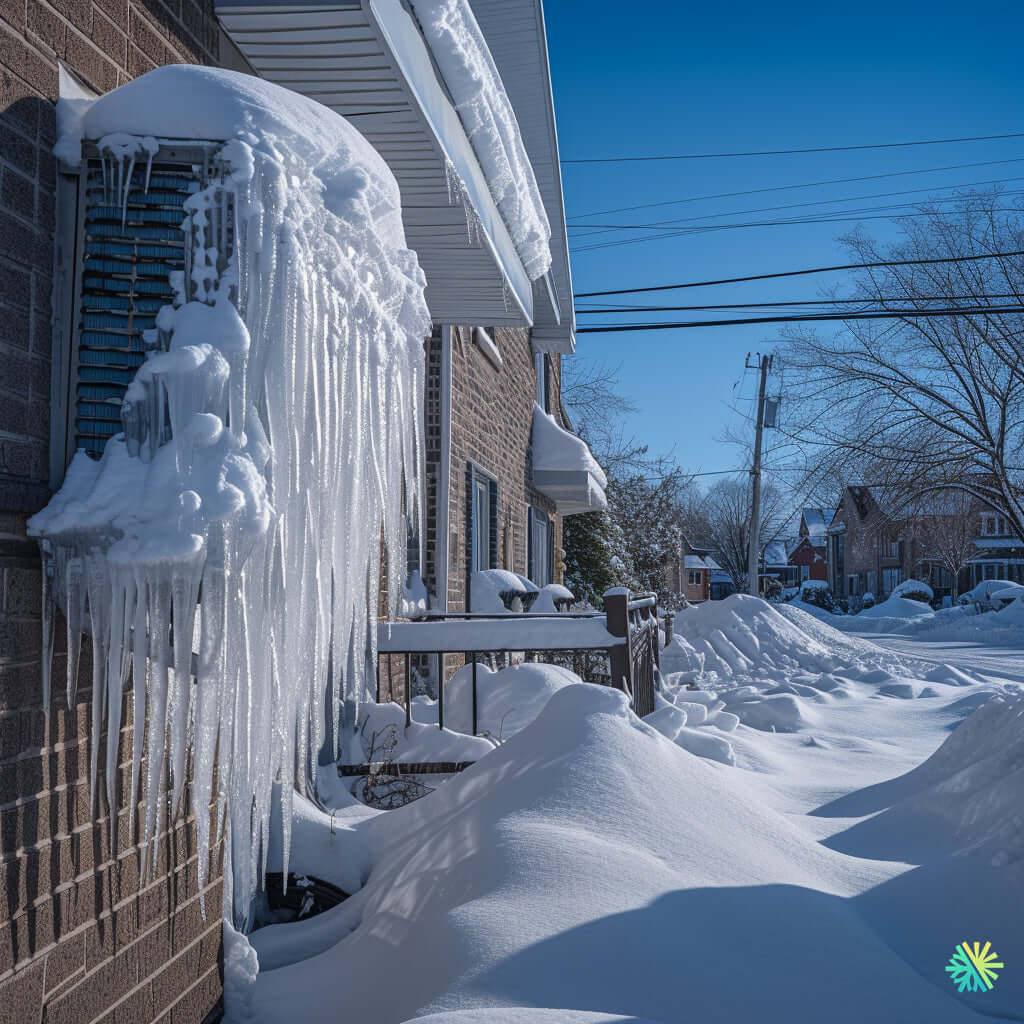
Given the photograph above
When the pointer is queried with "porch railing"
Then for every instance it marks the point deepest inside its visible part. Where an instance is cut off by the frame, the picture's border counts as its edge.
(619, 648)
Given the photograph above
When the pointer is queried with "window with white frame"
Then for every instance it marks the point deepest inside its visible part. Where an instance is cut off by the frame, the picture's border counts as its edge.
(694, 577)
(993, 526)
(540, 545)
(892, 549)
(805, 572)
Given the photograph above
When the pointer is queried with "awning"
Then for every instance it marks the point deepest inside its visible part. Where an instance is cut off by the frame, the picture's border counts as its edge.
(369, 62)
(563, 468)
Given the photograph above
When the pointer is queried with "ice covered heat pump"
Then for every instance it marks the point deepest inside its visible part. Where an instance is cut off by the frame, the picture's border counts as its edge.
(224, 551)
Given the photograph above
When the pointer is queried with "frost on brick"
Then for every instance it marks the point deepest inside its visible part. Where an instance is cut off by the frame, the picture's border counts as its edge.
(233, 531)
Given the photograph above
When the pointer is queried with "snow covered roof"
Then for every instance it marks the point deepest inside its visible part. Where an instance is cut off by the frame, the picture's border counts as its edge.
(776, 553)
(515, 33)
(422, 86)
(694, 562)
(563, 467)
(817, 521)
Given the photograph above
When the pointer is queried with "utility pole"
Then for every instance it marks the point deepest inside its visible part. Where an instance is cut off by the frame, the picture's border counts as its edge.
(753, 554)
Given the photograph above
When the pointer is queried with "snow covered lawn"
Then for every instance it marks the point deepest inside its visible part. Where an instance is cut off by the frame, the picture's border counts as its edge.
(592, 868)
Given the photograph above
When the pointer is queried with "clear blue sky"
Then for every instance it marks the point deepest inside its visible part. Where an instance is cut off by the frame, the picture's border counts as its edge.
(668, 77)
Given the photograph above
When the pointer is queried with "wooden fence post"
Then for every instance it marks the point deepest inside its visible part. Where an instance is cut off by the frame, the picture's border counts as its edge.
(670, 627)
(616, 610)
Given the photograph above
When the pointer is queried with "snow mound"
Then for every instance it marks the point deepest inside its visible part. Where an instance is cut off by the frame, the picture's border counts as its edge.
(383, 733)
(507, 700)
(585, 864)
(531, 1015)
(895, 608)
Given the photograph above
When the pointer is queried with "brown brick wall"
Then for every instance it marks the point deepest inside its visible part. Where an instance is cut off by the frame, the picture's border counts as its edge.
(492, 415)
(79, 939)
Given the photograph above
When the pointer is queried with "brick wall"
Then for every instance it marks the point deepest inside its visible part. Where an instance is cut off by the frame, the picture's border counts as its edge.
(492, 415)
(79, 940)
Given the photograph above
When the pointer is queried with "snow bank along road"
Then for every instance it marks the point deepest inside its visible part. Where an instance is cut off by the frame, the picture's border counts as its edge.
(995, 662)
(849, 817)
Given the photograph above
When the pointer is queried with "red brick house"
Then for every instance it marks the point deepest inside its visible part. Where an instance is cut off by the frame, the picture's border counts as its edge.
(810, 553)
(77, 935)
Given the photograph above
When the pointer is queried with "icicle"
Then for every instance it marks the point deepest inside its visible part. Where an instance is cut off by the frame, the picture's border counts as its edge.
(263, 456)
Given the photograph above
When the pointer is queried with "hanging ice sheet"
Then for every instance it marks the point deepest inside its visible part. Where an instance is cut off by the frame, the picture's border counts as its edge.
(265, 443)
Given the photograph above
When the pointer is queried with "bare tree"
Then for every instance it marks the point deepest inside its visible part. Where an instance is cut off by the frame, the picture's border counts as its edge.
(727, 507)
(926, 404)
(947, 526)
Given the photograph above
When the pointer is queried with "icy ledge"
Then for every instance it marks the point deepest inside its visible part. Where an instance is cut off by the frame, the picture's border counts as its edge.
(265, 444)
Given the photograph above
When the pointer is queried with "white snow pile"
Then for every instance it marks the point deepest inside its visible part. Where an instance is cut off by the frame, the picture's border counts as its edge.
(589, 868)
(912, 587)
(507, 699)
(999, 628)
(290, 369)
(772, 668)
(490, 588)
(468, 69)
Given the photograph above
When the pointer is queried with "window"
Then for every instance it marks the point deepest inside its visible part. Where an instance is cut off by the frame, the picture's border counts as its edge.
(694, 577)
(852, 585)
(892, 549)
(540, 362)
(891, 579)
(481, 525)
(114, 264)
(481, 520)
(872, 581)
(805, 572)
(541, 543)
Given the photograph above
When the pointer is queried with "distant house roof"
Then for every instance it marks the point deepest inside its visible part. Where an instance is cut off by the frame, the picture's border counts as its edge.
(694, 562)
(817, 522)
(776, 553)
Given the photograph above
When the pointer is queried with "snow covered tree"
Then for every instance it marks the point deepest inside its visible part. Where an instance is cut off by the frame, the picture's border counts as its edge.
(595, 556)
(926, 404)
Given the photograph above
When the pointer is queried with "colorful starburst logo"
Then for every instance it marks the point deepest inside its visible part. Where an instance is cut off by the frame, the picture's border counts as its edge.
(972, 968)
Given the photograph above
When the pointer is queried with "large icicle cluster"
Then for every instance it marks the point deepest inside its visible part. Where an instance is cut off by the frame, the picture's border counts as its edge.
(468, 68)
(267, 439)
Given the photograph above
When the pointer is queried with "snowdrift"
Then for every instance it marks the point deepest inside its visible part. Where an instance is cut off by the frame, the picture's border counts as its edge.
(588, 864)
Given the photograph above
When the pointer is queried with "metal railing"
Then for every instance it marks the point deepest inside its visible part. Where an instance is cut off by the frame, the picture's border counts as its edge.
(618, 648)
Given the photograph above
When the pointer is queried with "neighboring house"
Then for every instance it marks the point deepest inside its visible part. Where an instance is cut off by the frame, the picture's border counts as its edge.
(868, 550)
(872, 551)
(998, 553)
(776, 564)
(721, 584)
(809, 551)
(689, 573)
(78, 936)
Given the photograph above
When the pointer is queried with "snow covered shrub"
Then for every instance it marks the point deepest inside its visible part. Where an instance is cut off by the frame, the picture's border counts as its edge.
(914, 590)
(868, 600)
(772, 590)
(816, 592)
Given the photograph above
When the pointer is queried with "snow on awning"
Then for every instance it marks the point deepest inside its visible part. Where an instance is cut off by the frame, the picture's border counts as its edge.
(476, 238)
(564, 469)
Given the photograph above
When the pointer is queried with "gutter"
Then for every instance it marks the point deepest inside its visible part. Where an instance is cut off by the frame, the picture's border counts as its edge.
(444, 483)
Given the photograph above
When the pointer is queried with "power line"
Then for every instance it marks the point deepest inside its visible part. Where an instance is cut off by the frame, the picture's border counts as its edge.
(786, 305)
(600, 228)
(800, 273)
(785, 188)
(787, 152)
(889, 314)
(784, 222)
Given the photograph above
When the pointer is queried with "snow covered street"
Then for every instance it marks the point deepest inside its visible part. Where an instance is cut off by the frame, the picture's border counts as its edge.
(995, 662)
(593, 865)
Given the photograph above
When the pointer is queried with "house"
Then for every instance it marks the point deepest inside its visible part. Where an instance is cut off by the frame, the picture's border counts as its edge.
(809, 552)
(694, 574)
(776, 564)
(869, 550)
(872, 550)
(502, 468)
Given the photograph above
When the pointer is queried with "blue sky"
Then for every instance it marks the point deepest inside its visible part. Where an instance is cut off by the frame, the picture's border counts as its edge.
(669, 77)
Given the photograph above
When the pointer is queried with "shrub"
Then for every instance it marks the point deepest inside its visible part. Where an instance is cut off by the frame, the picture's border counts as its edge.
(816, 592)
(868, 600)
(914, 590)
